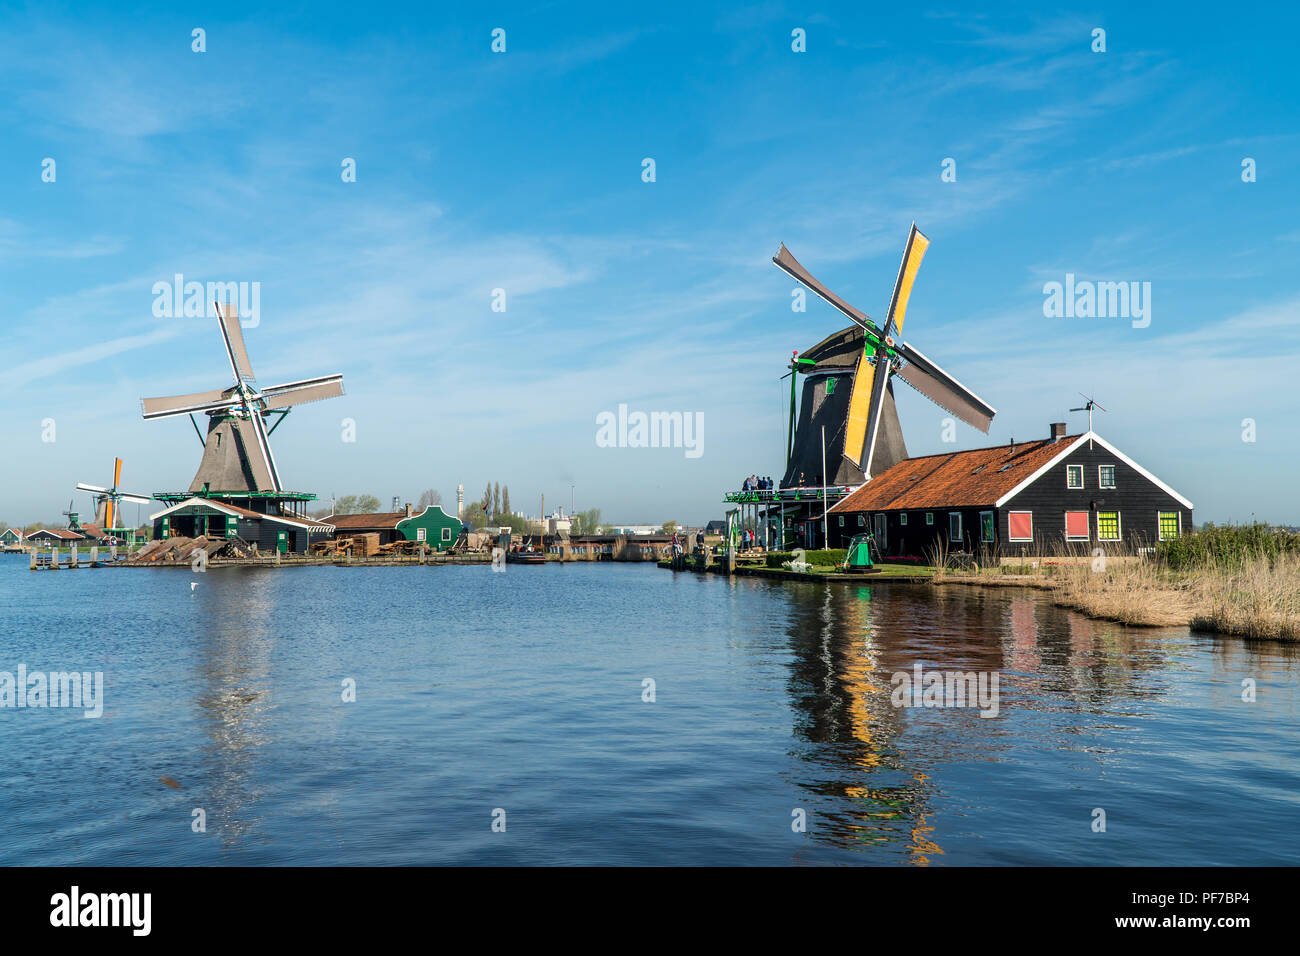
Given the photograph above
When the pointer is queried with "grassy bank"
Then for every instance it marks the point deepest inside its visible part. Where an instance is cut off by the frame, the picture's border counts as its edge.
(1240, 580)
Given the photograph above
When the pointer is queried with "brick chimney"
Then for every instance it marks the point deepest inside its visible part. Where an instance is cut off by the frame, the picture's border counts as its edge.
(1058, 430)
(408, 509)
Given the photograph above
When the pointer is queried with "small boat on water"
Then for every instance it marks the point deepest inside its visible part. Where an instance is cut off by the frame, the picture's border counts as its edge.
(525, 557)
(528, 554)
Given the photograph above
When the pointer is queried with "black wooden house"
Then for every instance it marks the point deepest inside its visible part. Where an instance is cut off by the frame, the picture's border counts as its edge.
(1060, 494)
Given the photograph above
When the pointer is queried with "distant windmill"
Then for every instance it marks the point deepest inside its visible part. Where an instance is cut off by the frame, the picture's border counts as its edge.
(108, 500)
(70, 515)
(237, 455)
(870, 356)
(1088, 406)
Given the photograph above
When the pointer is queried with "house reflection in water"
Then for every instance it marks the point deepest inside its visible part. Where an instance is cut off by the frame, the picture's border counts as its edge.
(878, 769)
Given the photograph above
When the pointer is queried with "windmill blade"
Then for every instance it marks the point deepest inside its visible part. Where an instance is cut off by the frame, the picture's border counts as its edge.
(855, 426)
(264, 442)
(188, 404)
(944, 390)
(300, 393)
(82, 486)
(117, 472)
(913, 253)
(879, 379)
(233, 336)
(255, 453)
(134, 499)
(790, 265)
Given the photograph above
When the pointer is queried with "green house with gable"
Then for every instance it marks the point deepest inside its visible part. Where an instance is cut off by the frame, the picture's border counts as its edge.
(433, 526)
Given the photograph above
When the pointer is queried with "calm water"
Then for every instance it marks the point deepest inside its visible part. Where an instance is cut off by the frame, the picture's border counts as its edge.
(523, 691)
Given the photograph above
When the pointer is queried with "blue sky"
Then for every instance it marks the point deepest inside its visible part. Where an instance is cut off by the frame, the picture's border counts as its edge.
(522, 171)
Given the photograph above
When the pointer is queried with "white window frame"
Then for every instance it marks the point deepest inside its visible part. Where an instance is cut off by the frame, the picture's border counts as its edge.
(993, 524)
(446, 534)
(421, 534)
(1119, 525)
(902, 519)
(1114, 472)
(841, 517)
(960, 539)
(1070, 470)
(1031, 525)
(929, 518)
(1176, 511)
(1066, 525)
(862, 521)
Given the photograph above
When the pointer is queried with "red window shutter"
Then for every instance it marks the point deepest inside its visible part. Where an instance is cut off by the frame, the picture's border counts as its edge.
(1076, 524)
(1020, 524)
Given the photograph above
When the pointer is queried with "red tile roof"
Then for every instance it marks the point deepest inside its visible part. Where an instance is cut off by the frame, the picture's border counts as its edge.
(961, 479)
(379, 519)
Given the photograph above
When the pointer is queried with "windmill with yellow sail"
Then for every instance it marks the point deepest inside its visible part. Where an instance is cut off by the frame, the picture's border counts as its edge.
(108, 505)
(848, 385)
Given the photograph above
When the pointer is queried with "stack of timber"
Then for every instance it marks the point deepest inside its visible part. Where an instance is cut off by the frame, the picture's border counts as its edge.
(179, 550)
(361, 545)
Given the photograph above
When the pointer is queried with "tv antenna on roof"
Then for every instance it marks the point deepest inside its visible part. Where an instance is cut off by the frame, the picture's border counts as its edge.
(1088, 406)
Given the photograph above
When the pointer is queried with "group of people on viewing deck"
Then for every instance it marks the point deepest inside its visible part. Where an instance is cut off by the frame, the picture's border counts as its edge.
(754, 483)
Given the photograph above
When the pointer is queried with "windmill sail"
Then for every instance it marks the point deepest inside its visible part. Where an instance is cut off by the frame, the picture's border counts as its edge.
(944, 390)
(300, 393)
(913, 253)
(233, 336)
(209, 401)
(855, 435)
(790, 265)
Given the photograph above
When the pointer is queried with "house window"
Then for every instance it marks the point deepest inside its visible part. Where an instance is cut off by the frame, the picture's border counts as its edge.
(421, 534)
(1076, 526)
(902, 518)
(986, 527)
(1020, 526)
(1107, 525)
(841, 521)
(954, 526)
(862, 521)
(1074, 476)
(446, 534)
(929, 517)
(830, 386)
(1170, 523)
(1105, 476)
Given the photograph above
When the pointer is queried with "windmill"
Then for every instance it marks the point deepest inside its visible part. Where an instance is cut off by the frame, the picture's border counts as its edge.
(108, 500)
(237, 459)
(864, 427)
(70, 515)
(1088, 405)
